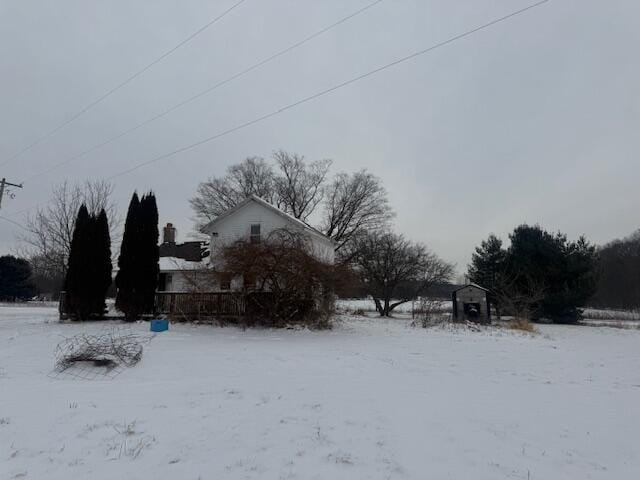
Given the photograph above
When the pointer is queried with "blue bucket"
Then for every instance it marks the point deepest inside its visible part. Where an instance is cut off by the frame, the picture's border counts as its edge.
(159, 325)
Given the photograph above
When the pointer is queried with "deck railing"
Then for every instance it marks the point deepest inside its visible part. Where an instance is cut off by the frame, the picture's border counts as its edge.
(197, 303)
(208, 304)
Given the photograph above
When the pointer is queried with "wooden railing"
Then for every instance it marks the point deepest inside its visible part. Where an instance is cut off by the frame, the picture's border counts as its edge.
(214, 304)
(209, 304)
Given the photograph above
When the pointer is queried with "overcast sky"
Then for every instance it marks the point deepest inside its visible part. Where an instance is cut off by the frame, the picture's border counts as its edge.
(534, 120)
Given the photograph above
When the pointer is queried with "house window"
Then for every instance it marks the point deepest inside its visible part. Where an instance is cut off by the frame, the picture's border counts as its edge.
(164, 282)
(225, 281)
(255, 233)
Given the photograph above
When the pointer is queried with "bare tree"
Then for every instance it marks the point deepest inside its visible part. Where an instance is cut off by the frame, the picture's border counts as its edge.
(351, 203)
(297, 186)
(395, 270)
(51, 227)
(300, 184)
(354, 204)
(253, 176)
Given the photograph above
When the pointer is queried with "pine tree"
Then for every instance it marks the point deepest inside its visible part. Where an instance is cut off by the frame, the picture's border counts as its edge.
(487, 267)
(78, 278)
(102, 262)
(15, 279)
(149, 252)
(565, 270)
(127, 297)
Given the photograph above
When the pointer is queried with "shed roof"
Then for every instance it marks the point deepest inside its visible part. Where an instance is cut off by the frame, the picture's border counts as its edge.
(475, 285)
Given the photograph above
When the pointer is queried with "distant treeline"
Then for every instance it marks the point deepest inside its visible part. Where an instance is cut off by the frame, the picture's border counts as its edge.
(619, 274)
(355, 289)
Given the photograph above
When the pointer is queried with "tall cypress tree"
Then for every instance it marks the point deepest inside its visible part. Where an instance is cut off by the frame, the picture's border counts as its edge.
(149, 251)
(102, 261)
(127, 297)
(78, 278)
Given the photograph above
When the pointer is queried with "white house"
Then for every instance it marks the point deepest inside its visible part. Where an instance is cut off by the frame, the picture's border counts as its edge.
(252, 219)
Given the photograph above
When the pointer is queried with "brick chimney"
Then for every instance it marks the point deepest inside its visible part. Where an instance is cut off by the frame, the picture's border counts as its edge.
(169, 234)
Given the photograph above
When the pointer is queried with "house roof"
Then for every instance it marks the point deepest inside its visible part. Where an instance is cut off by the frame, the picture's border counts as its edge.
(471, 285)
(191, 251)
(254, 198)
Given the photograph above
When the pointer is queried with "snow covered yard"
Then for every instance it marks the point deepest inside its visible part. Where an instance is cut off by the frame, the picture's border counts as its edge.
(370, 399)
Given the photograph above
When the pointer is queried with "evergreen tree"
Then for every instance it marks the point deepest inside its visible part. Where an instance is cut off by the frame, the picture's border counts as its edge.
(128, 297)
(102, 261)
(487, 268)
(15, 279)
(566, 271)
(78, 277)
(137, 277)
(89, 265)
(149, 252)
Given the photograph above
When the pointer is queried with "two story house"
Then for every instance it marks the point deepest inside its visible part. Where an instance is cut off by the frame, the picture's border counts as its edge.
(253, 219)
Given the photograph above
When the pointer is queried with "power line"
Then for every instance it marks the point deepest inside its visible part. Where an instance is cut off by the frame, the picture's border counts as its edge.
(129, 79)
(329, 90)
(14, 223)
(204, 92)
(321, 93)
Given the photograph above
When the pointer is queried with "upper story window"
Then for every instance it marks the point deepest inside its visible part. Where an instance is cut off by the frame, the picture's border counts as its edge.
(255, 233)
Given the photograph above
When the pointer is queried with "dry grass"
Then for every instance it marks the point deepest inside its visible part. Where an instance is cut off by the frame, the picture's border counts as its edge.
(522, 324)
(603, 314)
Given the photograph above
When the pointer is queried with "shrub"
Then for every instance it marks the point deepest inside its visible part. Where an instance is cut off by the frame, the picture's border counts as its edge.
(522, 324)
(289, 285)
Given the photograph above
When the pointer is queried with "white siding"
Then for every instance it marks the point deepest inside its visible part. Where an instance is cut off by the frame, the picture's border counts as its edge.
(190, 281)
(235, 226)
(238, 225)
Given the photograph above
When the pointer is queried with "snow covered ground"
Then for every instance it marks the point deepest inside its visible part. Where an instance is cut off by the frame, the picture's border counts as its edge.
(370, 399)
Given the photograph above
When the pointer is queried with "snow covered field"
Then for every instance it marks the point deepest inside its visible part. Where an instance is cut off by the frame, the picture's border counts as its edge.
(371, 399)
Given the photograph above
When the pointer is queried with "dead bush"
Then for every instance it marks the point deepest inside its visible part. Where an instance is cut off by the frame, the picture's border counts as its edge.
(429, 313)
(522, 324)
(289, 284)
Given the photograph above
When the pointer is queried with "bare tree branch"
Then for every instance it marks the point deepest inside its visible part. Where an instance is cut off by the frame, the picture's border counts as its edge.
(300, 184)
(355, 203)
(51, 227)
(253, 176)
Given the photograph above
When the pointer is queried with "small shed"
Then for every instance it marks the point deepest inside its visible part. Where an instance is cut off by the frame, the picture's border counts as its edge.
(471, 302)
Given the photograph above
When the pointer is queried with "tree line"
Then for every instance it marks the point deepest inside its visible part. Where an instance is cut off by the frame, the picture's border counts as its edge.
(619, 274)
(541, 273)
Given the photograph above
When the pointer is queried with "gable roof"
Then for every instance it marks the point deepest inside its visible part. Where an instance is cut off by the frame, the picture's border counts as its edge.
(190, 251)
(471, 285)
(254, 198)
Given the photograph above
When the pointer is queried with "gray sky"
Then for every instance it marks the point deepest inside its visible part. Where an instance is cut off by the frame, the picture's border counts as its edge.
(534, 120)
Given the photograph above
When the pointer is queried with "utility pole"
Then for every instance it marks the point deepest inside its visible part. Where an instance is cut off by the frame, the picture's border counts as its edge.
(3, 184)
